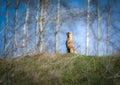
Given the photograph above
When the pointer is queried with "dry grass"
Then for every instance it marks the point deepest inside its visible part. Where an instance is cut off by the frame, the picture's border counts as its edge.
(60, 69)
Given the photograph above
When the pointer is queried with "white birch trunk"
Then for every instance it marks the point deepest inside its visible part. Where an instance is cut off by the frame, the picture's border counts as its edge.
(41, 26)
(57, 25)
(25, 29)
(43, 12)
(6, 30)
(108, 28)
(14, 33)
(98, 29)
(37, 23)
(87, 29)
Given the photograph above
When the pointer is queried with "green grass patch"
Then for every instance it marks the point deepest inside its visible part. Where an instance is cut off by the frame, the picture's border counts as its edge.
(60, 69)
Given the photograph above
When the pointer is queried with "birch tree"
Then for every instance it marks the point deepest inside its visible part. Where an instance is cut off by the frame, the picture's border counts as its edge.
(57, 25)
(108, 28)
(6, 30)
(98, 28)
(41, 26)
(14, 32)
(43, 12)
(87, 28)
(25, 28)
(37, 22)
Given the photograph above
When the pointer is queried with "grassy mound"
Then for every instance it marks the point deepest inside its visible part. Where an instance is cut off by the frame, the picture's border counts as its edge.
(60, 69)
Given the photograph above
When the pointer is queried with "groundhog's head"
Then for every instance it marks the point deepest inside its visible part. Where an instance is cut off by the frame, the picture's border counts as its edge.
(69, 34)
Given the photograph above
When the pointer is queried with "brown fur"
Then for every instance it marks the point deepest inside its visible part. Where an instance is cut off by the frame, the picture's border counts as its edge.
(69, 46)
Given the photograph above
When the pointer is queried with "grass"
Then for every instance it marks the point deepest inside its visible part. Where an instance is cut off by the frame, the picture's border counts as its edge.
(60, 69)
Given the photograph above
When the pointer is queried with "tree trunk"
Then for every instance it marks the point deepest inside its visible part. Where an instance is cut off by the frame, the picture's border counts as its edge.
(14, 32)
(41, 26)
(43, 12)
(98, 29)
(57, 26)
(6, 31)
(108, 27)
(87, 29)
(25, 29)
(37, 23)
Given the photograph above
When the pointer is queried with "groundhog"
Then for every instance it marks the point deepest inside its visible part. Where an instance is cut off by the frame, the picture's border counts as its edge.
(69, 46)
